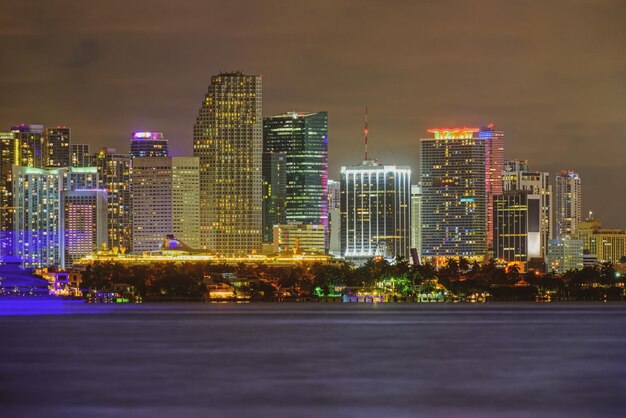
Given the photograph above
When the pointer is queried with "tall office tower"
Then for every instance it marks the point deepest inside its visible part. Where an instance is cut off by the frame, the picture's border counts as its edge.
(165, 196)
(7, 159)
(334, 217)
(565, 254)
(494, 164)
(375, 211)
(38, 204)
(517, 226)
(148, 144)
(518, 176)
(606, 245)
(303, 137)
(274, 192)
(29, 144)
(57, 146)
(416, 227)
(453, 178)
(84, 222)
(568, 203)
(228, 138)
(114, 177)
(80, 155)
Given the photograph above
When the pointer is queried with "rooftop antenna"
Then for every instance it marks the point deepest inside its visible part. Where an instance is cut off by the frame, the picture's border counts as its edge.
(365, 131)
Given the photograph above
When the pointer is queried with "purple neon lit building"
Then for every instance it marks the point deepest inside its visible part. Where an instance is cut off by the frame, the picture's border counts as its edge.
(148, 144)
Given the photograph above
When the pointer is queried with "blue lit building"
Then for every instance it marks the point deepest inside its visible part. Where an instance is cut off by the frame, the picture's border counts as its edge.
(148, 144)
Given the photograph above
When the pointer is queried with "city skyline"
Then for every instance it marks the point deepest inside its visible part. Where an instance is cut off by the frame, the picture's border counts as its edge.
(531, 83)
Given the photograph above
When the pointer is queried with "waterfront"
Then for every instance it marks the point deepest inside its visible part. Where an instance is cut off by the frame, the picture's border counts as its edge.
(310, 360)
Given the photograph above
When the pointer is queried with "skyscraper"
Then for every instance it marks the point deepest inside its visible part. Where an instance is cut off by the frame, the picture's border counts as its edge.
(494, 166)
(568, 203)
(29, 145)
(165, 196)
(274, 192)
(416, 220)
(375, 211)
(453, 177)
(80, 155)
(57, 147)
(334, 217)
(303, 138)
(38, 230)
(114, 177)
(228, 139)
(148, 144)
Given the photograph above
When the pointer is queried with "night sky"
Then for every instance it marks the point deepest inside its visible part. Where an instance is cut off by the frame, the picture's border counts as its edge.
(551, 74)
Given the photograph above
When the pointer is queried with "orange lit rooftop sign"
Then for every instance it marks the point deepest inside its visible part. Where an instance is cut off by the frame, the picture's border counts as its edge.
(453, 133)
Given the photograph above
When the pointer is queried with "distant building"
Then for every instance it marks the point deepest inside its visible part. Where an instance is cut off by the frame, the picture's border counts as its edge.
(84, 222)
(416, 227)
(8, 157)
(303, 138)
(228, 138)
(299, 238)
(274, 192)
(565, 254)
(165, 201)
(57, 146)
(148, 144)
(334, 217)
(29, 145)
(38, 206)
(606, 245)
(80, 155)
(568, 203)
(494, 167)
(375, 211)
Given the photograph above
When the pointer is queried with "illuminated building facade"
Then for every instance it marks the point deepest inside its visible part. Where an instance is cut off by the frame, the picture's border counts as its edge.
(274, 192)
(334, 217)
(375, 211)
(605, 245)
(416, 221)
(29, 145)
(57, 147)
(565, 254)
(84, 221)
(568, 203)
(518, 176)
(8, 157)
(228, 139)
(517, 226)
(114, 177)
(453, 177)
(299, 238)
(148, 144)
(80, 156)
(37, 192)
(165, 201)
(494, 167)
(303, 137)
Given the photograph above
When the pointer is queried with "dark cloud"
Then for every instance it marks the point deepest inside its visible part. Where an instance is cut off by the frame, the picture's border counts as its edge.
(551, 74)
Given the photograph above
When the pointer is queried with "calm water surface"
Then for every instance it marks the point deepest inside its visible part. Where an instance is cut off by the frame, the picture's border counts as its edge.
(68, 359)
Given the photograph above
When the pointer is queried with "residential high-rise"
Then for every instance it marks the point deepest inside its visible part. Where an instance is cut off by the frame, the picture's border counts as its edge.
(517, 176)
(334, 217)
(228, 139)
(7, 159)
(375, 211)
(274, 192)
(453, 177)
(38, 230)
(517, 226)
(303, 137)
(84, 223)
(494, 166)
(165, 196)
(80, 156)
(568, 203)
(57, 146)
(114, 177)
(148, 144)
(29, 145)
(416, 227)
(606, 245)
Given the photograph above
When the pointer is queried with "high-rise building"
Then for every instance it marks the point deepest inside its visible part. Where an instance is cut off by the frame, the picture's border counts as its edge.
(29, 145)
(565, 254)
(334, 217)
(165, 196)
(453, 177)
(274, 192)
(228, 139)
(299, 238)
(568, 203)
(7, 159)
(148, 144)
(38, 230)
(494, 166)
(303, 138)
(375, 211)
(80, 156)
(416, 227)
(517, 226)
(517, 176)
(57, 146)
(605, 245)
(114, 177)
(84, 223)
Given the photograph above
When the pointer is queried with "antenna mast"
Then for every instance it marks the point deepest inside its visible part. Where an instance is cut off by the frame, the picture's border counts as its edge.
(365, 131)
